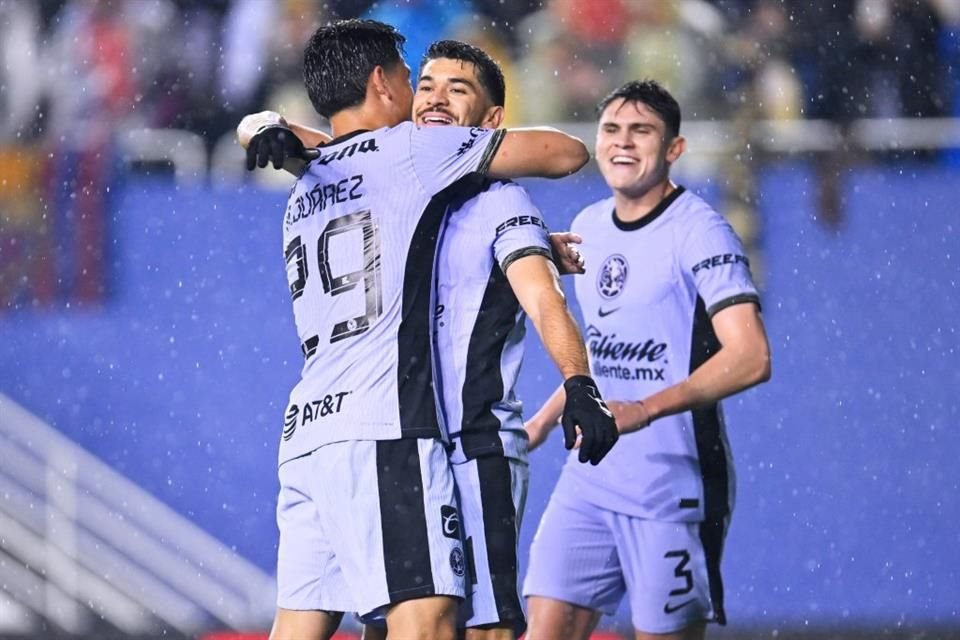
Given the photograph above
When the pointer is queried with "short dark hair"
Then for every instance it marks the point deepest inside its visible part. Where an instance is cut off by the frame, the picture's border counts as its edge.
(488, 71)
(652, 94)
(340, 57)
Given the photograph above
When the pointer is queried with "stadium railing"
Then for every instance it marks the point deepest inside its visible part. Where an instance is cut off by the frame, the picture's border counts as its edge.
(82, 546)
(186, 152)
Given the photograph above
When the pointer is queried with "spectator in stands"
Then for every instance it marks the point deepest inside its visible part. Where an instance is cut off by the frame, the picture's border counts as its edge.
(572, 59)
(679, 43)
(20, 87)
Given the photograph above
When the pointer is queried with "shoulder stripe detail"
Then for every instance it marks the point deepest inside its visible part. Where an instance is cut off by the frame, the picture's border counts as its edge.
(740, 298)
(491, 151)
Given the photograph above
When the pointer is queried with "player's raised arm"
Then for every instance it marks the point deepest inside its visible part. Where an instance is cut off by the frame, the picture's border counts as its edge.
(542, 152)
(254, 122)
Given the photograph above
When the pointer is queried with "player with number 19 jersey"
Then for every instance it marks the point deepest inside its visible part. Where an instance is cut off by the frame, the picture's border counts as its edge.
(364, 314)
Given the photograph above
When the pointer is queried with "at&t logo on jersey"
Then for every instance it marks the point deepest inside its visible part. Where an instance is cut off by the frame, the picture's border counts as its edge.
(290, 421)
(301, 415)
(613, 276)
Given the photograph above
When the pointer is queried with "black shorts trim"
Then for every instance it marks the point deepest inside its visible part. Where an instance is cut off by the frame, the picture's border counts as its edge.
(406, 541)
(500, 531)
(712, 534)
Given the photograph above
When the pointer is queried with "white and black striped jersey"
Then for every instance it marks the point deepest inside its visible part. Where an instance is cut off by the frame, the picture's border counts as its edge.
(479, 322)
(359, 237)
(647, 307)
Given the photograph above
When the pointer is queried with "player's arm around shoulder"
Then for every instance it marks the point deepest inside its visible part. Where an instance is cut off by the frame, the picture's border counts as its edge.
(254, 122)
(269, 138)
(542, 152)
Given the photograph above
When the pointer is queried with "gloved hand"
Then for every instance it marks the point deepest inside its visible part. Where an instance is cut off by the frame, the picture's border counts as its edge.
(585, 409)
(274, 143)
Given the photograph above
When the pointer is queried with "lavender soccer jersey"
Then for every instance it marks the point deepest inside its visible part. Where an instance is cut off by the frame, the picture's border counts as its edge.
(647, 301)
(479, 323)
(359, 238)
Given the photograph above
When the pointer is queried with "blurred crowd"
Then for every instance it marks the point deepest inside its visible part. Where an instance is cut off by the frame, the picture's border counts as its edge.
(79, 67)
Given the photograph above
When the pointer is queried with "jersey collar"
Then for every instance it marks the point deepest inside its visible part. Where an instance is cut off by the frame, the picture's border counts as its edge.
(650, 217)
(345, 137)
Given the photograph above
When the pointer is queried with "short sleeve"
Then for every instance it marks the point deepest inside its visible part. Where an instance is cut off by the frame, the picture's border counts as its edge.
(520, 228)
(713, 256)
(443, 155)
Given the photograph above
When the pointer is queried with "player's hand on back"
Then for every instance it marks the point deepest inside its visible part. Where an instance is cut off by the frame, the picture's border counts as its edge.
(565, 253)
(586, 412)
(276, 144)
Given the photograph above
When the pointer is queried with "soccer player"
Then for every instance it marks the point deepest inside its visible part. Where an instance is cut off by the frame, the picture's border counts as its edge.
(673, 326)
(479, 326)
(367, 495)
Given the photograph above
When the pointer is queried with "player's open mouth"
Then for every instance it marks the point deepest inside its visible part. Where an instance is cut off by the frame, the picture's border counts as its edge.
(436, 118)
(623, 160)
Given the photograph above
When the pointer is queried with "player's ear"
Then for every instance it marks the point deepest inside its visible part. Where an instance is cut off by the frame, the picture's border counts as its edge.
(379, 81)
(676, 148)
(493, 118)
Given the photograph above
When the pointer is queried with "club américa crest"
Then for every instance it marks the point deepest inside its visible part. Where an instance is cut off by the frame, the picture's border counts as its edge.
(613, 276)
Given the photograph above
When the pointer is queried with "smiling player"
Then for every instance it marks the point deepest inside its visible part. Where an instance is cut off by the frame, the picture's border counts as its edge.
(673, 326)
(493, 266)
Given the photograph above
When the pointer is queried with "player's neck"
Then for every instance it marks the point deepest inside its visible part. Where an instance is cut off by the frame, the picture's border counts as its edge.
(632, 208)
(358, 119)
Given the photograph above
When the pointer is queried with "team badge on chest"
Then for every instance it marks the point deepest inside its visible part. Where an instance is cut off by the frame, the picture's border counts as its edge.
(613, 276)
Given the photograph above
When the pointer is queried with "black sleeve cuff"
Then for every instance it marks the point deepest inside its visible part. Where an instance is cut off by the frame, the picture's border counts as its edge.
(491, 151)
(523, 253)
(732, 300)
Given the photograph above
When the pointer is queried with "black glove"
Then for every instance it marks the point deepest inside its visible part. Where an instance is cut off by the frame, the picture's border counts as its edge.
(586, 409)
(274, 143)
